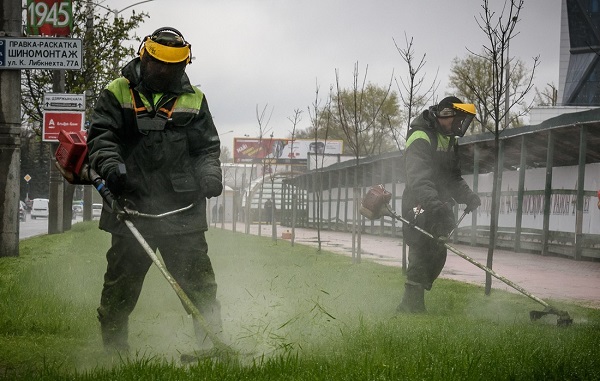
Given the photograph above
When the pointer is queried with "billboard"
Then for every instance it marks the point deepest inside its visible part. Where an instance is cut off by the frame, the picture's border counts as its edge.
(56, 121)
(281, 151)
(49, 17)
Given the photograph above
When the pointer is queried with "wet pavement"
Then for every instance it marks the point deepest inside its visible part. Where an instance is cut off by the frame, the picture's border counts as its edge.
(546, 277)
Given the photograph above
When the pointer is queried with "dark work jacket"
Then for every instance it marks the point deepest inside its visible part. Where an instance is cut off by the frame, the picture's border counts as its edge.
(167, 163)
(433, 176)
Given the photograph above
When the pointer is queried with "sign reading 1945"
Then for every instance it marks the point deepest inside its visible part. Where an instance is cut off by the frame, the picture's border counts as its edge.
(40, 53)
(49, 17)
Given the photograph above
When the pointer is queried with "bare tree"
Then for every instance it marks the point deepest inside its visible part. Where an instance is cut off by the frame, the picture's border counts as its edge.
(320, 127)
(500, 30)
(378, 103)
(263, 122)
(295, 119)
(471, 78)
(263, 129)
(356, 122)
(412, 94)
(548, 96)
(225, 156)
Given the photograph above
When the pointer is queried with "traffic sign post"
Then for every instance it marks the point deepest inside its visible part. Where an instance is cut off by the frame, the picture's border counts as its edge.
(56, 121)
(27, 180)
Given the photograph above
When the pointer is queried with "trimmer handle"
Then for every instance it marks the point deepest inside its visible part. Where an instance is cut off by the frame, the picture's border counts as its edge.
(101, 187)
(106, 194)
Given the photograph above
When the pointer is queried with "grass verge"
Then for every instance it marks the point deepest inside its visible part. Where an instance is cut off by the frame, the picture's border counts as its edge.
(293, 313)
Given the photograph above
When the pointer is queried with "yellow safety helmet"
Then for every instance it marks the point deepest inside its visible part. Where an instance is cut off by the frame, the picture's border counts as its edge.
(166, 45)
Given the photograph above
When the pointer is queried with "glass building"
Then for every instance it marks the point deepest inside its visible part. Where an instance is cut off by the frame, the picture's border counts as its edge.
(580, 53)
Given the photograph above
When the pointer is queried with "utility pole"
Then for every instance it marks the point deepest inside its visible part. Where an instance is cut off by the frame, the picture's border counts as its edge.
(56, 196)
(89, 37)
(10, 141)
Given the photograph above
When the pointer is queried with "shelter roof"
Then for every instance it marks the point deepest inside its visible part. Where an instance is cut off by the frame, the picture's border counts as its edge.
(569, 131)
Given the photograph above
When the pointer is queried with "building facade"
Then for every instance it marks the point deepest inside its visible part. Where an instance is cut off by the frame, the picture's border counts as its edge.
(579, 67)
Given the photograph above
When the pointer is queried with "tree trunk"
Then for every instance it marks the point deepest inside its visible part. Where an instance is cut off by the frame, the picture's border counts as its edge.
(494, 218)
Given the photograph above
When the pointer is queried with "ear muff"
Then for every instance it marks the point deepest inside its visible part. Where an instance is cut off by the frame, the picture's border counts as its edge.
(165, 53)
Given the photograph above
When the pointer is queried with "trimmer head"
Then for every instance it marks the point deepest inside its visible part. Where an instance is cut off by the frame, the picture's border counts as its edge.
(220, 352)
(564, 319)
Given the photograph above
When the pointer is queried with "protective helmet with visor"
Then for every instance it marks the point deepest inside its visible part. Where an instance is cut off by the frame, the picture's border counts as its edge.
(463, 114)
(164, 55)
(166, 45)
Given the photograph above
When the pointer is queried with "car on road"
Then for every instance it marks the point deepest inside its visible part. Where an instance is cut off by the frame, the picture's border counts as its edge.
(96, 210)
(77, 208)
(39, 208)
(22, 211)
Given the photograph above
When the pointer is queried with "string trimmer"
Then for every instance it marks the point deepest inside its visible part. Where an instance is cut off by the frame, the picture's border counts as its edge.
(375, 205)
(71, 157)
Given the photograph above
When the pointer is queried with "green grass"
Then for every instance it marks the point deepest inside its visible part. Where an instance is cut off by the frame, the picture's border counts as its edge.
(293, 313)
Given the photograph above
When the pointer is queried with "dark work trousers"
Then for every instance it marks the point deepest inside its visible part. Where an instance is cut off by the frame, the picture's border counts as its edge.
(426, 259)
(186, 258)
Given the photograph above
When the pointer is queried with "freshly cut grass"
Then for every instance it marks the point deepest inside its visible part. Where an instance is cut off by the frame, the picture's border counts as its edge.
(293, 313)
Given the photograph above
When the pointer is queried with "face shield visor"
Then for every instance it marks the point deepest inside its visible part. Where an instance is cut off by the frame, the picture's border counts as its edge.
(461, 123)
(462, 114)
(159, 76)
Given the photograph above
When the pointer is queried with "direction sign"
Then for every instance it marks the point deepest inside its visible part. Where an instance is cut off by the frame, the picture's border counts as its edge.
(58, 101)
(56, 121)
(41, 53)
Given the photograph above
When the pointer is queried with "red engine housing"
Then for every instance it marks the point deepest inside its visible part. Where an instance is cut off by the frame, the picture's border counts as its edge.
(71, 153)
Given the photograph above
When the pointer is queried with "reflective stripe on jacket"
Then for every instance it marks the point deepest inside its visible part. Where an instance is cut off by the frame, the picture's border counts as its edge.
(433, 176)
(167, 155)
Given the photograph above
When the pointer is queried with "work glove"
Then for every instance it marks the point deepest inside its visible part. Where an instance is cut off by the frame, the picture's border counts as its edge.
(473, 202)
(117, 180)
(443, 221)
(211, 186)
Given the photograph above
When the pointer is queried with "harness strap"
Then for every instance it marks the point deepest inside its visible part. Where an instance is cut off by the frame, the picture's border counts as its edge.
(165, 111)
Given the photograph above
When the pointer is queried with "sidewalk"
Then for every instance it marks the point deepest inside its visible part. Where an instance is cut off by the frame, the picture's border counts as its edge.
(544, 277)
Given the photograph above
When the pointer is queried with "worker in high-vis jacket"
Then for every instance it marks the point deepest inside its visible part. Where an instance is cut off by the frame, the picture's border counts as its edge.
(433, 185)
(153, 140)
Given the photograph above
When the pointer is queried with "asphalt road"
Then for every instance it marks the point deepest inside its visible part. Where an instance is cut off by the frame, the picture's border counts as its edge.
(39, 226)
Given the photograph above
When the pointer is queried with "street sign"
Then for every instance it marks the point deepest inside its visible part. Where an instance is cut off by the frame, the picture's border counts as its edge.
(49, 17)
(58, 101)
(56, 121)
(41, 53)
(27, 178)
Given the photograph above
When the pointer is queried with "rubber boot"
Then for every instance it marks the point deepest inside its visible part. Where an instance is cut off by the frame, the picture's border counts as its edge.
(413, 300)
(114, 337)
(114, 333)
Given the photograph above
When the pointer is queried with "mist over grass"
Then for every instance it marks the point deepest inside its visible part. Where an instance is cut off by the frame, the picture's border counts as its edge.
(292, 312)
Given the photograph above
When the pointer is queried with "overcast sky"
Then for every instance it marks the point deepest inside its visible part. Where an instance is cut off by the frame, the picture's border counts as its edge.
(252, 53)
